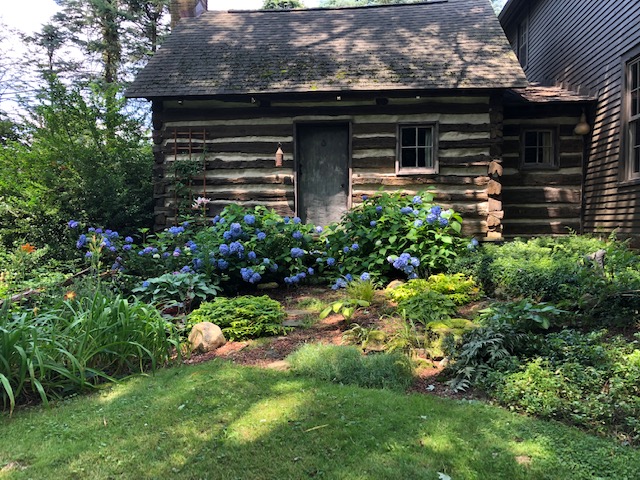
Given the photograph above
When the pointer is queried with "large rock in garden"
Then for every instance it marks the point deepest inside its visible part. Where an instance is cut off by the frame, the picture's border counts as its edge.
(206, 337)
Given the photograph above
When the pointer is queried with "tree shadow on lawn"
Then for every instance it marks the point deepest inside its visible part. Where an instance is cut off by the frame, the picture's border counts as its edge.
(219, 421)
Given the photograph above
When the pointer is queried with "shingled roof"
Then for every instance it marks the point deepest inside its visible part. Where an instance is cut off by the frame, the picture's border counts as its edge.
(430, 45)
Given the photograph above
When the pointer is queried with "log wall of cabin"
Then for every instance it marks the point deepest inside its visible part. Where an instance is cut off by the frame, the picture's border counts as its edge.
(546, 200)
(241, 140)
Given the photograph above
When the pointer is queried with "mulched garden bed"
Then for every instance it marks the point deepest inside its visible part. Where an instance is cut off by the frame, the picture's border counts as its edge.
(270, 352)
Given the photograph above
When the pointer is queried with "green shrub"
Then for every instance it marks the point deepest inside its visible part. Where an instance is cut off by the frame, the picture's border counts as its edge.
(242, 317)
(179, 290)
(525, 314)
(558, 270)
(347, 365)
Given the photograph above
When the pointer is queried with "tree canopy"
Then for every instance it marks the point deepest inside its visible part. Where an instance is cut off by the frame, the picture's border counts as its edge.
(282, 4)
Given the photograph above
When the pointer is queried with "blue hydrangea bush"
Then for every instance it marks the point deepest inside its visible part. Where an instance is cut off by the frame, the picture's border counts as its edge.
(387, 236)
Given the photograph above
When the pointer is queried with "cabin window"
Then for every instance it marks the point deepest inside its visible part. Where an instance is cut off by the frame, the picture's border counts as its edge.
(538, 148)
(523, 42)
(633, 119)
(416, 149)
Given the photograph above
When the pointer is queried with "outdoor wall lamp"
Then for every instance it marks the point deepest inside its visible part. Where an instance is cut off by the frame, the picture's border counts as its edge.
(582, 128)
(279, 155)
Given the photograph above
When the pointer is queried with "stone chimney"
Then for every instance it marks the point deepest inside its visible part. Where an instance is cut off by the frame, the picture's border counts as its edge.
(186, 9)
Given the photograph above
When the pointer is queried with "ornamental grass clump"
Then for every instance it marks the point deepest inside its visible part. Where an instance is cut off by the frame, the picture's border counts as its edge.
(347, 365)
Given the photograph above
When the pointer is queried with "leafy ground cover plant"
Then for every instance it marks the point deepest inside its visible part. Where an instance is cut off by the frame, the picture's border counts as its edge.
(457, 287)
(242, 317)
(347, 365)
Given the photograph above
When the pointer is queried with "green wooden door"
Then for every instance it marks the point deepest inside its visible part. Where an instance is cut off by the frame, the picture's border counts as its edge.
(322, 172)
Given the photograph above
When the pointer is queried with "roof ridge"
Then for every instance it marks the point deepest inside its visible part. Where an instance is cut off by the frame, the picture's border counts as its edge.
(356, 7)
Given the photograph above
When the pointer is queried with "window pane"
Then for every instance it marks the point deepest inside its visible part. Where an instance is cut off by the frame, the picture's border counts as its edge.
(530, 139)
(422, 157)
(635, 73)
(408, 137)
(635, 102)
(636, 161)
(408, 157)
(531, 155)
(422, 137)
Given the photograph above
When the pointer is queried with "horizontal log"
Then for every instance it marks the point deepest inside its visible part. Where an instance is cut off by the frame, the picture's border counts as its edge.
(521, 196)
(239, 195)
(217, 181)
(542, 211)
(515, 130)
(230, 131)
(529, 229)
(542, 178)
(263, 148)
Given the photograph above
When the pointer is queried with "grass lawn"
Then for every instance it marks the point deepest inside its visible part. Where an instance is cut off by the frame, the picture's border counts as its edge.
(220, 421)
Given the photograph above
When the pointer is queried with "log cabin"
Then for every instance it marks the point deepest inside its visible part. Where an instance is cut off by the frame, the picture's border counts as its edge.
(592, 48)
(307, 111)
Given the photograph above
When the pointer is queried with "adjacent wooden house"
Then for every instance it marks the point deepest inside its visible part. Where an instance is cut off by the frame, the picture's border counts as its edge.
(591, 47)
(306, 111)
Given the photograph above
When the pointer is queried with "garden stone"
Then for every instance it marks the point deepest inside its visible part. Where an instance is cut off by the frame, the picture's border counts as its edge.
(394, 284)
(206, 337)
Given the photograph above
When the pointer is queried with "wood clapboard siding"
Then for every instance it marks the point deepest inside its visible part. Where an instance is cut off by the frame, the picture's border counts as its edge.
(542, 201)
(580, 44)
(238, 146)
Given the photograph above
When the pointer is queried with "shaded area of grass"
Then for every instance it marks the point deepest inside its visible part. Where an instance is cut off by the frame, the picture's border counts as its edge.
(216, 420)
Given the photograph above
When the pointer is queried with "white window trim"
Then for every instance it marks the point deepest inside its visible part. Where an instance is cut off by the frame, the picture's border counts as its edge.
(629, 121)
(434, 150)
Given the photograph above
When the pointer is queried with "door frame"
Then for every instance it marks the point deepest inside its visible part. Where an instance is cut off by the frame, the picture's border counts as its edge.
(296, 183)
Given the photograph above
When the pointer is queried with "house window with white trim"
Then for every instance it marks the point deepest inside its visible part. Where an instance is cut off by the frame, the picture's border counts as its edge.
(416, 149)
(538, 148)
(633, 119)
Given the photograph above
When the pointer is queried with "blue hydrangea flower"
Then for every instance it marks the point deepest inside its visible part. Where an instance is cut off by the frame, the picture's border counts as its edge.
(88, 254)
(197, 264)
(345, 249)
(185, 269)
(373, 223)
(223, 264)
(128, 240)
(418, 223)
(191, 245)
(249, 219)
(251, 255)
(266, 261)
(176, 230)
(406, 210)
(146, 284)
(82, 240)
(379, 208)
(224, 249)
(474, 242)
(215, 219)
(261, 236)
(436, 210)
(112, 248)
(72, 224)
(355, 246)
(98, 230)
(164, 255)
(237, 248)
(274, 267)
(235, 229)
(444, 222)
(431, 218)
(412, 276)
(417, 200)
(331, 261)
(287, 219)
(348, 277)
(297, 252)
(126, 247)
(311, 271)
(177, 252)
(365, 198)
(297, 235)
(296, 220)
(91, 229)
(319, 229)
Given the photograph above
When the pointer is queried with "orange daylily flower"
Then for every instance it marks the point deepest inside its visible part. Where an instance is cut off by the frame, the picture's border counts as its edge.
(28, 248)
(70, 295)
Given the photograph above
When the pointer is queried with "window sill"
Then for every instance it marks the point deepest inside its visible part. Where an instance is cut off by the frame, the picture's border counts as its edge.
(415, 172)
(629, 182)
(538, 168)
